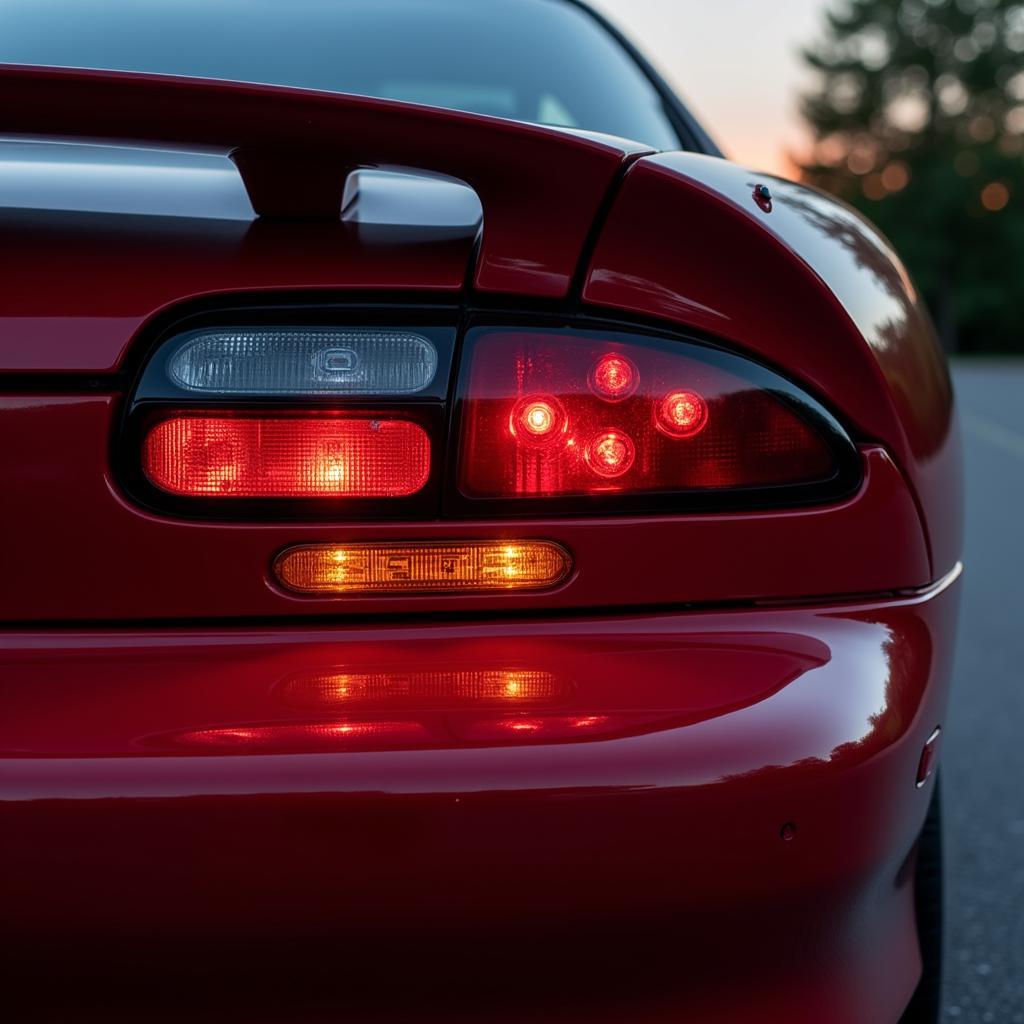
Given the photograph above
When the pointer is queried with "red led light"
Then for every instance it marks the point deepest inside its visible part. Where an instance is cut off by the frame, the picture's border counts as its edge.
(614, 377)
(611, 454)
(538, 419)
(682, 414)
(234, 457)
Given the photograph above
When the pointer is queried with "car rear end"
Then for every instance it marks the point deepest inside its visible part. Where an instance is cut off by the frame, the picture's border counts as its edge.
(552, 620)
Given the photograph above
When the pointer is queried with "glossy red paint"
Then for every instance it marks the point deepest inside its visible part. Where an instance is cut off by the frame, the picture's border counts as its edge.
(808, 285)
(54, 449)
(540, 188)
(140, 266)
(636, 818)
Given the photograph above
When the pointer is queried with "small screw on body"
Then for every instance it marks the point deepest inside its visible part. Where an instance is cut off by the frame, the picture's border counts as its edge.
(763, 197)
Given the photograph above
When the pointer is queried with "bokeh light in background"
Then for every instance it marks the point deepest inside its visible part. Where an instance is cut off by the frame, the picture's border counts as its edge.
(737, 65)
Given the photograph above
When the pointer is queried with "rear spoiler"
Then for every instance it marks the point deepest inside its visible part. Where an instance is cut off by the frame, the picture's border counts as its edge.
(541, 188)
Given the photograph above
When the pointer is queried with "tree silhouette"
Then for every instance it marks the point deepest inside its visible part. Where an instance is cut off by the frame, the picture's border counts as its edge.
(918, 120)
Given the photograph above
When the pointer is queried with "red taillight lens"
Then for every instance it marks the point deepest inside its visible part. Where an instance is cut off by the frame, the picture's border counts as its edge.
(550, 415)
(218, 456)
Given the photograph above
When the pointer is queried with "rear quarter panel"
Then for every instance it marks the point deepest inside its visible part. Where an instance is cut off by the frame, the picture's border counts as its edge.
(803, 282)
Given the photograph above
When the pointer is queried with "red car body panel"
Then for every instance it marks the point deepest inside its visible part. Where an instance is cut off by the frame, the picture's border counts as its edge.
(745, 804)
(712, 810)
(142, 267)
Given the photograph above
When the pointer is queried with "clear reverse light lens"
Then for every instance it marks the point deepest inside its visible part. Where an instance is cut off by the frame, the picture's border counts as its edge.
(304, 361)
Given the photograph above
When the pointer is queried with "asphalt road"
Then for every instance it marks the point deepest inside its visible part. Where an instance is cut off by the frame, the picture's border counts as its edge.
(983, 759)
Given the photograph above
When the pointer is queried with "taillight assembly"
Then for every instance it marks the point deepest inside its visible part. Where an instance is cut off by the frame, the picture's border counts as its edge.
(325, 422)
(580, 416)
(292, 421)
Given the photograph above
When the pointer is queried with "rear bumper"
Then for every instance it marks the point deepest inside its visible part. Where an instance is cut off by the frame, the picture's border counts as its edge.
(588, 812)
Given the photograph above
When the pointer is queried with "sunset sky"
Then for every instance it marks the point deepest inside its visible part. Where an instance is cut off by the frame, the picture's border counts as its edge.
(735, 62)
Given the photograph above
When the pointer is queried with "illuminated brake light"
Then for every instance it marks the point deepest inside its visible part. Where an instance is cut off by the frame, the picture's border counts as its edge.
(218, 456)
(611, 454)
(614, 377)
(537, 420)
(682, 414)
(633, 416)
(354, 569)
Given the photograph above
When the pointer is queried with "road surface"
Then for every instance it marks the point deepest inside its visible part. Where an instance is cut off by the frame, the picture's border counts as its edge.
(983, 759)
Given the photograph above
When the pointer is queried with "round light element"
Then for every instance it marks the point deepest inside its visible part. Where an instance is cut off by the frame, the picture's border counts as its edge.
(682, 414)
(610, 454)
(614, 377)
(538, 420)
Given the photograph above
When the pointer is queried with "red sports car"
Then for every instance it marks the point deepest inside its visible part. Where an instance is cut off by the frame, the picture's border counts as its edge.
(470, 552)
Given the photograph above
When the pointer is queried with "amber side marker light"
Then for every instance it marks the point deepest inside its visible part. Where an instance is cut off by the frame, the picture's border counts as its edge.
(428, 568)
